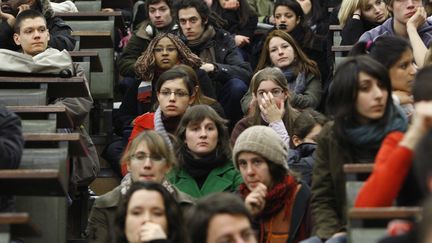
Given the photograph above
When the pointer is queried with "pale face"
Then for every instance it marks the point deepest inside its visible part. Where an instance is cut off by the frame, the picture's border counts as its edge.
(306, 6)
(230, 228)
(281, 52)
(202, 138)
(284, 16)
(254, 170)
(33, 37)
(269, 86)
(191, 23)
(173, 105)
(371, 99)
(160, 14)
(404, 9)
(165, 53)
(145, 166)
(375, 11)
(144, 206)
(402, 73)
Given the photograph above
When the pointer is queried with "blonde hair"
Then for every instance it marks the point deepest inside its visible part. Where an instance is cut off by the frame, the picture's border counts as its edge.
(348, 7)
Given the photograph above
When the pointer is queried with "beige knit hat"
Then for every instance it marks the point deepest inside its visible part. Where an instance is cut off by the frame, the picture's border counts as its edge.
(264, 141)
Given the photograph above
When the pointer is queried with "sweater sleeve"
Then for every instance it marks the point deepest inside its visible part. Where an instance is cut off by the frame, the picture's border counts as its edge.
(391, 167)
(352, 31)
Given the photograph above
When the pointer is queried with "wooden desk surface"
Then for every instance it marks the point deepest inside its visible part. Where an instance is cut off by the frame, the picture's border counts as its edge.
(94, 39)
(383, 212)
(92, 56)
(94, 15)
(32, 182)
(76, 144)
(57, 87)
(35, 112)
(21, 224)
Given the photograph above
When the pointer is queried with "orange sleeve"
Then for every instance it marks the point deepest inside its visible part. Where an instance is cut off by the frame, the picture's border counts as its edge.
(392, 164)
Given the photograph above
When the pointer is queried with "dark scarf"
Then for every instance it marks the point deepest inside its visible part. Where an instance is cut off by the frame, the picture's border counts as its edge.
(201, 45)
(296, 81)
(368, 138)
(200, 168)
(280, 195)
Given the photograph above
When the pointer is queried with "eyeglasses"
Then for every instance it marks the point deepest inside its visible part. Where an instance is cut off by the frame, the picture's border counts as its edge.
(160, 49)
(274, 92)
(142, 157)
(178, 93)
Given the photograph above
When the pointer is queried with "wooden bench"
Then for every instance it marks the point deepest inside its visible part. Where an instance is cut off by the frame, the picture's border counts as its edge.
(88, 56)
(56, 86)
(17, 224)
(358, 168)
(89, 39)
(74, 141)
(56, 112)
(32, 182)
(94, 15)
(383, 213)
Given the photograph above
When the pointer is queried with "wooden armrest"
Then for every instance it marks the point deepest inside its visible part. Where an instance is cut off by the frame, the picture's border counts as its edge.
(358, 168)
(383, 212)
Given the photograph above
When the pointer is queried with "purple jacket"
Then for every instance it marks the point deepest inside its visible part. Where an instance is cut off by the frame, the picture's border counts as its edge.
(425, 31)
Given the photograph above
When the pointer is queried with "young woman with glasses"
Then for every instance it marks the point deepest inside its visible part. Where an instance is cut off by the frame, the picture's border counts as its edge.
(204, 154)
(270, 104)
(148, 158)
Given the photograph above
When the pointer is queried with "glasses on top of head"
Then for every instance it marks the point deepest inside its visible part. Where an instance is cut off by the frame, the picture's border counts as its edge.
(142, 157)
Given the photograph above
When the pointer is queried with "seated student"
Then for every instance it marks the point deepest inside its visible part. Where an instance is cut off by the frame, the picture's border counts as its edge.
(241, 22)
(408, 21)
(220, 217)
(359, 16)
(316, 17)
(270, 105)
(364, 113)
(204, 154)
(396, 54)
(60, 32)
(278, 201)
(149, 213)
(264, 10)
(176, 89)
(160, 21)
(11, 147)
(395, 157)
(32, 35)
(305, 130)
(148, 159)
(217, 50)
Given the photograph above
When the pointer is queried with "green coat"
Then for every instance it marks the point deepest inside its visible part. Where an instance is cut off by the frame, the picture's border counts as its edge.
(328, 185)
(263, 8)
(222, 179)
(102, 216)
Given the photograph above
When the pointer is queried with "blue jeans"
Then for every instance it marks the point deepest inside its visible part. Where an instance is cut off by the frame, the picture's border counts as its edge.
(229, 97)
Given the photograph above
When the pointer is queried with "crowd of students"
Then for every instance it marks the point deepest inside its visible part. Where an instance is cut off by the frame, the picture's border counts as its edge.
(232, 133)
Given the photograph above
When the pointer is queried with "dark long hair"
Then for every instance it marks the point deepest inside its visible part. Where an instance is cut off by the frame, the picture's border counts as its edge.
(341, 102)
(387, 50)
(176, 231)
(243, 12)
(195, 115)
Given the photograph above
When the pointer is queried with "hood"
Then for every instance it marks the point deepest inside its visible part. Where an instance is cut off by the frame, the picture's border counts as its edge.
(45, 6)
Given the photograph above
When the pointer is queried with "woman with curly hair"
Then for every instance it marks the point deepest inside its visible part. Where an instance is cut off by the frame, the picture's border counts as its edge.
(164, 51)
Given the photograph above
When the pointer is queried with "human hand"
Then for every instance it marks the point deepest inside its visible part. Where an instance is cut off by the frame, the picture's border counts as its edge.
(231, 4)
(255, 201)
(272, 20)
(418, 19)
(357, 14)
(9, 18)
(151, 231)
(404, 97)
(271, 111)
(23, 7)
(241, 40)
(421, 123)
(208, 67)
(107, 10)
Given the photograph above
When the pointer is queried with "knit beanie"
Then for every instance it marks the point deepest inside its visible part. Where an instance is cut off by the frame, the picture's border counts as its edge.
(264, 141)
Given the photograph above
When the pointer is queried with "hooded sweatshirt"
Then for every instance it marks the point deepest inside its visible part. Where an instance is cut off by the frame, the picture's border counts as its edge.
(425, 31)
(60, 32)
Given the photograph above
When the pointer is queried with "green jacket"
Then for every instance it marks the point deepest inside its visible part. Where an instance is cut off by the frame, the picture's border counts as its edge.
(222, 179)
(328, 185)
(102, 216)
(262, 8)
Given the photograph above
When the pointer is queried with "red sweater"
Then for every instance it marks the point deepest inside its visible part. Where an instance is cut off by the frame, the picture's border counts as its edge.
(392, 164)
(143, 122)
